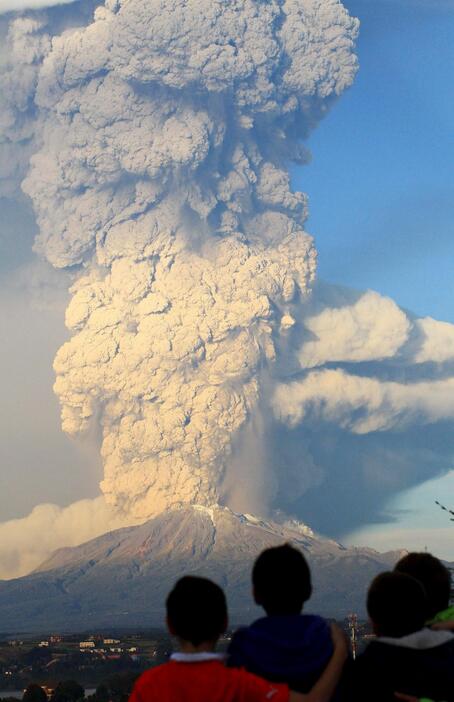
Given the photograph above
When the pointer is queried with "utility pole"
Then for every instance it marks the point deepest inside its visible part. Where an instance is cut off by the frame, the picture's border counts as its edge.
(353, 626)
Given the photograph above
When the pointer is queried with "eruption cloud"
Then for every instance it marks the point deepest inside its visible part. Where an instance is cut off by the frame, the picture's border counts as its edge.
(154, 139)
(165, 131)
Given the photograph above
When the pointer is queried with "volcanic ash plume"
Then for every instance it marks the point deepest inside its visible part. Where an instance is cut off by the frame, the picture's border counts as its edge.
(165, 132)
(23, 45)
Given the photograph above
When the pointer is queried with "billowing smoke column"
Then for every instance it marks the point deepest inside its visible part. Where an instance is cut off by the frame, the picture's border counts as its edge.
(23, 45)
(165, 131)
(161, 134)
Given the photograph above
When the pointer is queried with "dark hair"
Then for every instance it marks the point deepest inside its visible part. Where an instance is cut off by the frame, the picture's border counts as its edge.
(433, 575)
(281, 580)
(396, 604)
(197, 610)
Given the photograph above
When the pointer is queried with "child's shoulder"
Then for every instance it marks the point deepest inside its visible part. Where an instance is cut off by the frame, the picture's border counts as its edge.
(309, 627)
(297, 622)
(312, 628)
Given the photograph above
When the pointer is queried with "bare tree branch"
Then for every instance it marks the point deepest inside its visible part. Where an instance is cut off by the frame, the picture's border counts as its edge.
(450, 511)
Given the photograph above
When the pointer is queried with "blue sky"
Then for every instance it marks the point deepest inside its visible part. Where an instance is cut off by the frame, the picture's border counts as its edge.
(381, 193)
(381, 183)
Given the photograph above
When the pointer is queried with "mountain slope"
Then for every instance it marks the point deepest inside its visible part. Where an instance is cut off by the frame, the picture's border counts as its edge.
(122, 578)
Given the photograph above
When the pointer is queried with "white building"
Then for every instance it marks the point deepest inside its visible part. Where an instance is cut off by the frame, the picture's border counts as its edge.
(86, 644)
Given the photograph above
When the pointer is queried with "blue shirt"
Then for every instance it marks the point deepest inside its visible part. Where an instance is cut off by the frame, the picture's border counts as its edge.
(284, 648)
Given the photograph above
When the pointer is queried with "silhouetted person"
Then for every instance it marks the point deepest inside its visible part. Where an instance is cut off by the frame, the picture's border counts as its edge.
(405, 657)
(197, 616)
(436, 580)
(285, 645)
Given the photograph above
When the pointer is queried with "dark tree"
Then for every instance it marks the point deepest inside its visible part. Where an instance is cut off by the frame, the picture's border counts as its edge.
(34, 693)
(38, 656)
(102, 694)
(120, 686)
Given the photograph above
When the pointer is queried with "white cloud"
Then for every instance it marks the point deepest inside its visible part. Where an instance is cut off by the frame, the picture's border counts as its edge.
(362, 405)
(25, 543)
(373, 328)
(437, 341)
(19, 5)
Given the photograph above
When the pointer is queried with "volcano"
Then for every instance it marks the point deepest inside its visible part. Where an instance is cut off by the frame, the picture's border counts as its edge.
(121, 579)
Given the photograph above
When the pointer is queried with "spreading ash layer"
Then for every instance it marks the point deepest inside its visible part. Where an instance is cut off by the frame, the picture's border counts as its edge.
(162, 135)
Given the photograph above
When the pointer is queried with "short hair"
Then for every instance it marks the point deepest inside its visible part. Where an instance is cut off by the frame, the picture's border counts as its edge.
(396, 604)
(197, 610)
(434, 576)
(281, 580)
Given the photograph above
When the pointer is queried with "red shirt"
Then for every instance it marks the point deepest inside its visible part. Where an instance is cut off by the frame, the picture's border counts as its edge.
(206, 681)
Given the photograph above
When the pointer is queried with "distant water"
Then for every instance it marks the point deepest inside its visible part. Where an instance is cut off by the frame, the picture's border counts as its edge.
(18, 694)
